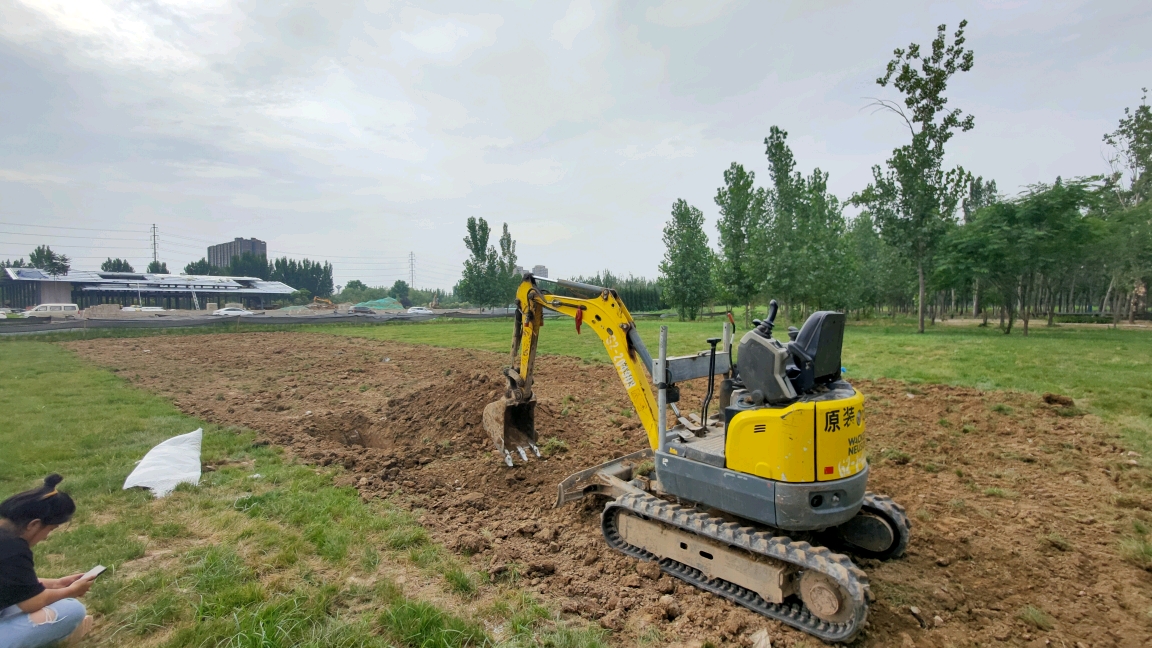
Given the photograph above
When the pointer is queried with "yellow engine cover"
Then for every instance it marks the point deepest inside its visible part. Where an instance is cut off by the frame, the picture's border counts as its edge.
(806, 441)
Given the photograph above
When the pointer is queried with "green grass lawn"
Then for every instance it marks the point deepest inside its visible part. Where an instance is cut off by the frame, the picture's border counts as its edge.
(264, 552)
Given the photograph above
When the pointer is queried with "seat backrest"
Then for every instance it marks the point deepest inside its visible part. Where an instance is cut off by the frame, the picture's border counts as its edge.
(820, 341)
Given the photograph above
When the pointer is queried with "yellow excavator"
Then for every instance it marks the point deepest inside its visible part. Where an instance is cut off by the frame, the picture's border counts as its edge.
(744, 501)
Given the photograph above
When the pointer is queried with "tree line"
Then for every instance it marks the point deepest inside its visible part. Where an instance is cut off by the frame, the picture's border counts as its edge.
(934, 239)
(315, 277)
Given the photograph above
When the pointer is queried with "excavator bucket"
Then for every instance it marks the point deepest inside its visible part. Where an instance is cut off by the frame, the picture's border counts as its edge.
(512, 426)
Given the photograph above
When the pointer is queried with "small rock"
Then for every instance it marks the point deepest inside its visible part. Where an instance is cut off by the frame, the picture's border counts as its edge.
(1133, 453)
(570, 606)
(760, 639)
(547, 534)
(631, 580)
(669, 607)
(1132, 462)
(665, 585)
(943, 562)
(1001, 633)
(937, 621)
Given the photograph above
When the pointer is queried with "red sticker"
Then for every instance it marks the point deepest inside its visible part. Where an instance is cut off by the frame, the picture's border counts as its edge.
(579, 319)
(827, 470)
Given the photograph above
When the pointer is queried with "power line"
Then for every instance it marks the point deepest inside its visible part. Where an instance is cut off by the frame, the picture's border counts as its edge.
(84, 229)
(65, 236)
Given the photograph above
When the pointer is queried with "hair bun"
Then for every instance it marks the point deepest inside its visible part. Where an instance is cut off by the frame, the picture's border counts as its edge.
(51, 480)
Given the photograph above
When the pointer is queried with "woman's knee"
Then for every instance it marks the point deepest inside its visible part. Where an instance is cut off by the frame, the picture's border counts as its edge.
(68, 613)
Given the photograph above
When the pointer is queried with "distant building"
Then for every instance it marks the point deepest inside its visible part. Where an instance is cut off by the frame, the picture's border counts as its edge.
(540, 271)
(520, 270)
(24, 287)
(221, 255)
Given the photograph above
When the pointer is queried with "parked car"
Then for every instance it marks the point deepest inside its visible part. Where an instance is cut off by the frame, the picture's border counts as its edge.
(361, 310)
(232, 310)
(419, 310)
(53, 310)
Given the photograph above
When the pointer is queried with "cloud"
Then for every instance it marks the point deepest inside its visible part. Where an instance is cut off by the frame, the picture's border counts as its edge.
(580, 16)
(437, 39)
(30, 178)
(334, 127)
(687, 13)
(117, 32)
(540, 232)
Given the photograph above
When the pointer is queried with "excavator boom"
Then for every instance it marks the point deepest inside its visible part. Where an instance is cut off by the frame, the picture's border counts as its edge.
(510, 421)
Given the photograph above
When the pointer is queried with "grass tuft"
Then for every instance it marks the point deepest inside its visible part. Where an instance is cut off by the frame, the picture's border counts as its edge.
(1036, 617)
(420, 625)
(552, 446)
(1058, 541)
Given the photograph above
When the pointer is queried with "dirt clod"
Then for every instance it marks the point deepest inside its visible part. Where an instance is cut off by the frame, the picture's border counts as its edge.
(669, 607)
(1059, 399)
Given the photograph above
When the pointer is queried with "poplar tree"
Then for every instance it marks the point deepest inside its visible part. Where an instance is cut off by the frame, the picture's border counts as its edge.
(742, 208)
(686, 271)
(914, 199)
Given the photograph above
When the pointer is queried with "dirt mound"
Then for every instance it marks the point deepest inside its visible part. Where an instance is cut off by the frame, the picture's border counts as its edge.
(1019, 508)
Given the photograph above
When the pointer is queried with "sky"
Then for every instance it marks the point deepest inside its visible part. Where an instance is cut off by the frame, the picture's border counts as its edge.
(366, 132)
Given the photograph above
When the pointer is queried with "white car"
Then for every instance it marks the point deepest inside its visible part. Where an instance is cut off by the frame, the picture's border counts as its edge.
(419, 310)
(232, 310)
(66, 311)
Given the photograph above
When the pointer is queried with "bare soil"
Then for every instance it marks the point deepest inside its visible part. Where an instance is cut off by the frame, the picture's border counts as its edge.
(1015, 503)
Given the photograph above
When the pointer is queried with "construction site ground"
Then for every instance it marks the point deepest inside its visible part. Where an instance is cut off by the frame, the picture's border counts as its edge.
(1025, 514)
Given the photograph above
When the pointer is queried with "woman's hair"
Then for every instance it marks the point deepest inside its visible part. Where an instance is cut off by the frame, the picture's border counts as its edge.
(46, 504)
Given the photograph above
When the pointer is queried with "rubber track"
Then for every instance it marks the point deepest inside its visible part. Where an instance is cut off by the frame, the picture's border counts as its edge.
(895, 512)
(836, 566)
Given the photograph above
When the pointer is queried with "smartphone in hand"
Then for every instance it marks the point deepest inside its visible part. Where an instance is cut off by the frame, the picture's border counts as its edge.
(91, 574)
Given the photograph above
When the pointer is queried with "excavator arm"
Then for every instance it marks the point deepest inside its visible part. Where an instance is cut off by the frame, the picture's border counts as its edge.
(511, 421)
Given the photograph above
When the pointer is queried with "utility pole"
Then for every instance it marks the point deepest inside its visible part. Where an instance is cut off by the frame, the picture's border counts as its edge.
(155, 255)
(412, 270)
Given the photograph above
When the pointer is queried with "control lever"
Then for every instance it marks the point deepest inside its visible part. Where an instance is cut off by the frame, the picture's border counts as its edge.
(711, 382)
(764, 328)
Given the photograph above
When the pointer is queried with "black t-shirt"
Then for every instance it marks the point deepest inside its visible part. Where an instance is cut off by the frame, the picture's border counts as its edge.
(18, 581)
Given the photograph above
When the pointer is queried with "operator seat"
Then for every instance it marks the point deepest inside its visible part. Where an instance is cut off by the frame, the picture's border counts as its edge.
(816, 351)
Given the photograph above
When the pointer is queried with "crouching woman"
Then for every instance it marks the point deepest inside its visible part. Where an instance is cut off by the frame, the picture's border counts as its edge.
(37, 611)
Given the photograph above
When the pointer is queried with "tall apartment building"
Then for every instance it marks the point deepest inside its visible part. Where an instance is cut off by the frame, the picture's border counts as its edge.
(540, 271)
(221, 255)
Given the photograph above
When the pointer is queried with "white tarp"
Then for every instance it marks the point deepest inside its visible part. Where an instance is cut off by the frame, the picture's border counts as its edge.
(175, 461)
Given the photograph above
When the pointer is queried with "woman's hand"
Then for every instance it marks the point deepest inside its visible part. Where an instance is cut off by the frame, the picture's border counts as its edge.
(58, 583)
(79, 587)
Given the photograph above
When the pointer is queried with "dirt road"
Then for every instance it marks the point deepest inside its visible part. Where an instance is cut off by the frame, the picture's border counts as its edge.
(1018, 511)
